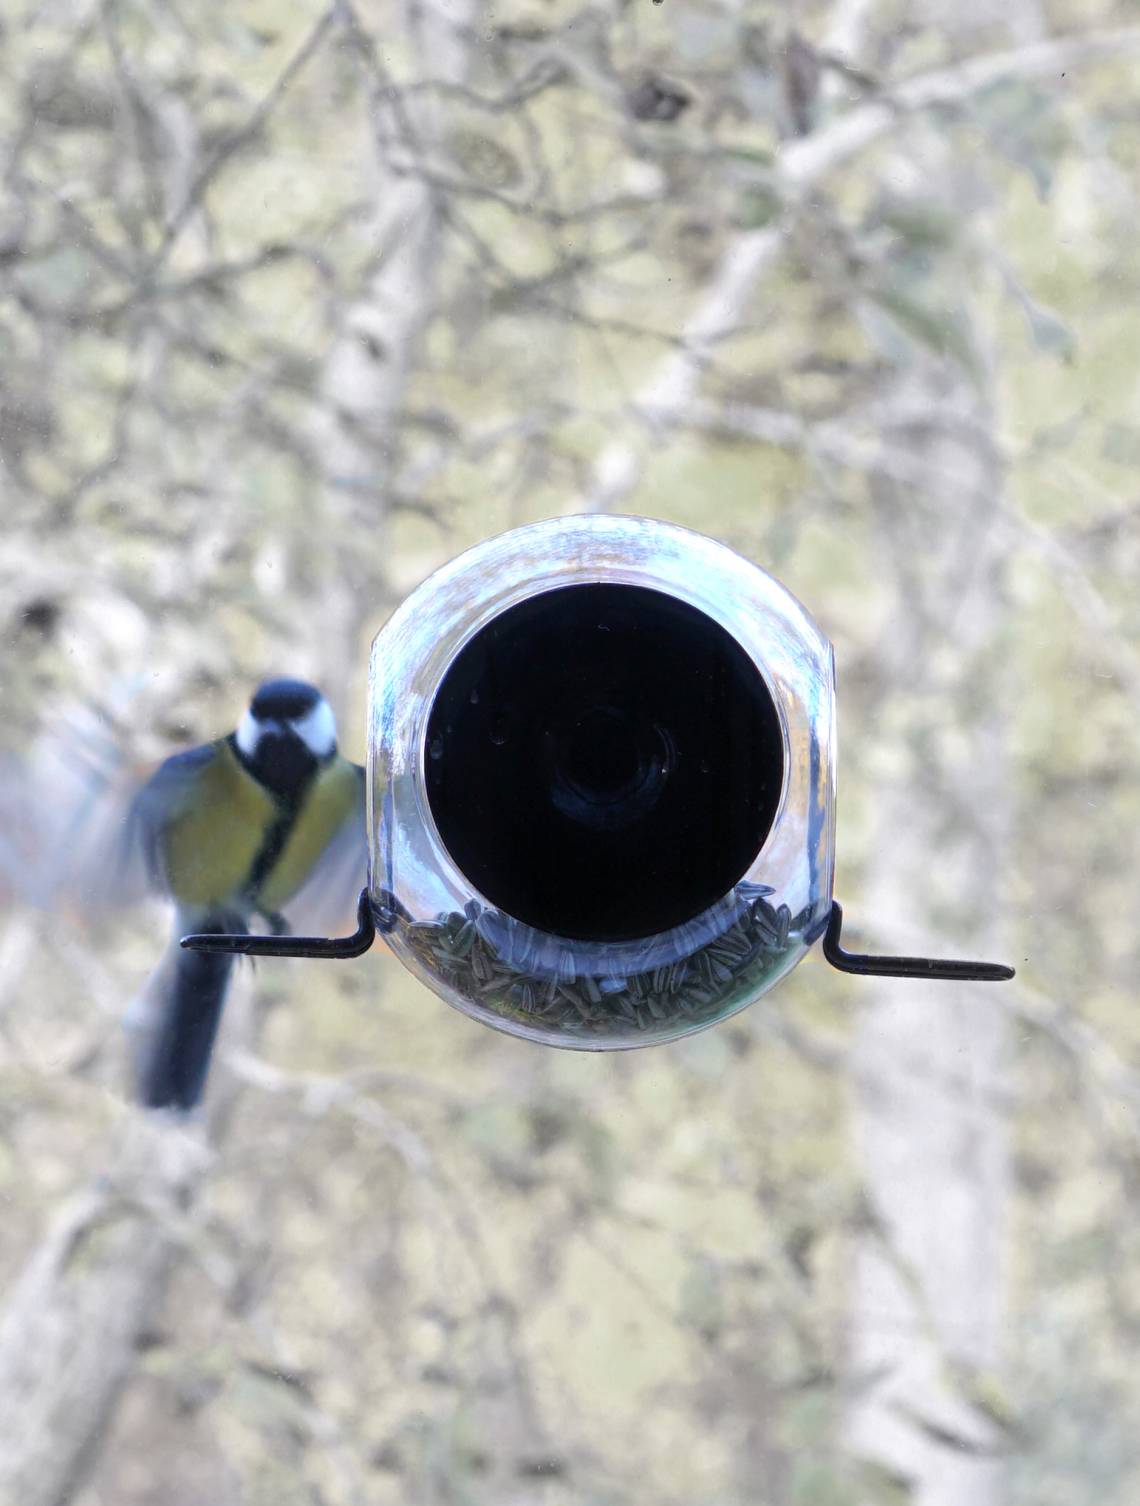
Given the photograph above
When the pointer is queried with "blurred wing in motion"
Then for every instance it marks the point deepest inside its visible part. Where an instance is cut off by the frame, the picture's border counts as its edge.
(77, 790)
(325, 903)
(91, 820)
(19, 835)
(109, 855)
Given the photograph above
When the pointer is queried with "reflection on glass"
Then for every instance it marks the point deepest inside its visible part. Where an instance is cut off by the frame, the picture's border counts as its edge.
(602, 781)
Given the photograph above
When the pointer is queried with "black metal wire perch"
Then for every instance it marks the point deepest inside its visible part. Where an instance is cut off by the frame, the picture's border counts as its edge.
(382, 919)
(904, 967)
(369, 921)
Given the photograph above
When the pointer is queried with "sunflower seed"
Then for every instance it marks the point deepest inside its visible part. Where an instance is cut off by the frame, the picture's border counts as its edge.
(486, 955)
(721, 953)
(783, 925)
(464, 939)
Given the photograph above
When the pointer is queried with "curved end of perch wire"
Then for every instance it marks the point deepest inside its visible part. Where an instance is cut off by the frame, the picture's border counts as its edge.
(905, 967)
(370, 921)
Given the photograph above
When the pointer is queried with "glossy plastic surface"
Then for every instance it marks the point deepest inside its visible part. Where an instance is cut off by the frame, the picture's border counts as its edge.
(579, 990)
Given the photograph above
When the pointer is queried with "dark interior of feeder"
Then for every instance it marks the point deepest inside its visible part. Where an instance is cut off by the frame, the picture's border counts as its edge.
(603, 761)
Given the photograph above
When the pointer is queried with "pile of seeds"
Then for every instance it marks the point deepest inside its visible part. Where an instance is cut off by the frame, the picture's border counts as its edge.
(467, 952)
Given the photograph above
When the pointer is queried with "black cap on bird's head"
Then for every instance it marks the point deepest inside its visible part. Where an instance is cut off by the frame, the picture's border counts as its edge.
(288, 731)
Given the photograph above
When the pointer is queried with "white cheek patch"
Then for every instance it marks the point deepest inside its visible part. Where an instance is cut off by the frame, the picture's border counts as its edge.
(247, 735)
(316, 729)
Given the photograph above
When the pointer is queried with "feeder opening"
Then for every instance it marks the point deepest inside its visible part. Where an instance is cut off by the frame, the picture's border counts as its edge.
(603, 762)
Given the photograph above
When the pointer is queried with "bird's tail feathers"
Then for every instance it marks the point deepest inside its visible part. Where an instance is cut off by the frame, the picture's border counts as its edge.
(174, 1020)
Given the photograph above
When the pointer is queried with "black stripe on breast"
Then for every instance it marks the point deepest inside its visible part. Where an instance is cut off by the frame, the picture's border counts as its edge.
(273, 844)
(288, 803)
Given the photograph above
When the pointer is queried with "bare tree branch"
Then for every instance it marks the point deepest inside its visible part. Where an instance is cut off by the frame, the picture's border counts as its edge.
(802, 164)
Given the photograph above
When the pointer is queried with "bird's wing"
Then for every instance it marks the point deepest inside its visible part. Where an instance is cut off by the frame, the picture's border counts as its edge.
(324, 904)
(20, 835)
(108, 850)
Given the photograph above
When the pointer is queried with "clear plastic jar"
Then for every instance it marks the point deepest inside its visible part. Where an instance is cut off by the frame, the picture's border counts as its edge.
(601, 781)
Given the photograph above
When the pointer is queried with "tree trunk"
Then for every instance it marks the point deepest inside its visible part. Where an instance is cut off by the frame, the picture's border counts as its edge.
(357, 428)
(929, 1058)
(91, 1292)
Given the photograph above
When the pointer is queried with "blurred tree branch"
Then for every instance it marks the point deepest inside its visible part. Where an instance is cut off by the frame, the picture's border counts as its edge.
(665, 399)
(78, 1314)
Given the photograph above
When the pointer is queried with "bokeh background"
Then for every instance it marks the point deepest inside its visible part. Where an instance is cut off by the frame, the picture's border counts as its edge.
(296, 301)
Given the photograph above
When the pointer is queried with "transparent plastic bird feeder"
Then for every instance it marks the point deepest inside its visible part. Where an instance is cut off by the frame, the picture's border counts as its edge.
(601, 787)
(602, 781)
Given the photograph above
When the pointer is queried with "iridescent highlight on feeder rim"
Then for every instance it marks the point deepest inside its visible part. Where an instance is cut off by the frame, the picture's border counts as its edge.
(601, 787)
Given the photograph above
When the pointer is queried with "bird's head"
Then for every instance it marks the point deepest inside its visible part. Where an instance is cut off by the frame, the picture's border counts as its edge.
(287, 733)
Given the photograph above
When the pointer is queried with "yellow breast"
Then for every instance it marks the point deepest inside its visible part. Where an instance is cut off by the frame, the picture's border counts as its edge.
(208, 848)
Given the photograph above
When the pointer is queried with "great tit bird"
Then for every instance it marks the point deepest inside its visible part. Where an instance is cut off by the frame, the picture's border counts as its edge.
(254, 824)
